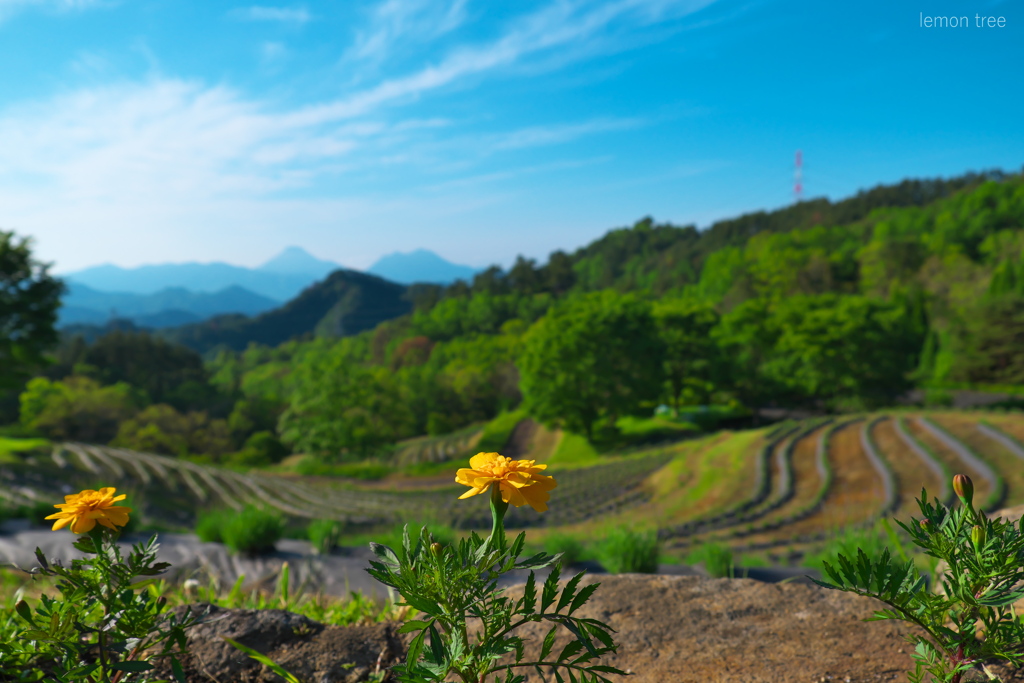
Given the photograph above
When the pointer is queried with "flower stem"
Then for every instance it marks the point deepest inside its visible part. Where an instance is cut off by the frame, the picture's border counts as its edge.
(498, 509)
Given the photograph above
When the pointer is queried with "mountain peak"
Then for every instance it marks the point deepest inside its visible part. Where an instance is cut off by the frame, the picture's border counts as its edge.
(296, 260)
(420, 265)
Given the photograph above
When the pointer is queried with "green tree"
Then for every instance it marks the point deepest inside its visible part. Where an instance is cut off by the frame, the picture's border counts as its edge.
(691, 354)
(162, 429)
(596, 357)
(77, 408)
(988, 346)
(845, 350)
(340, 407)
(29, 298)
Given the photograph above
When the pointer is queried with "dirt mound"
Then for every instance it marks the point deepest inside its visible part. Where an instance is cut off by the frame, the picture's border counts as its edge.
(683, 629)
(308, 649)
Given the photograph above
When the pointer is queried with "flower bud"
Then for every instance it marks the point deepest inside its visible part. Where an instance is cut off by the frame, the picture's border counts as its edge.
(925, 525)
(436, 548)
(964, 488)
(978, 536)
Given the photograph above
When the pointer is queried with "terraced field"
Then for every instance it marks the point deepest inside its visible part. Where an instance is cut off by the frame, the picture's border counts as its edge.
(855, 470)
(167, 487)
(755, 489)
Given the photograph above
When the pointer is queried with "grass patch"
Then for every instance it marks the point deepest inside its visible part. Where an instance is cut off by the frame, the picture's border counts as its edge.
(252, 531)
(324, 535)
(366, 470)
(717, 559)
(559, 542)
(575, 450)
(625, 550)
(647, 429)
(10, 447)
(497, 432)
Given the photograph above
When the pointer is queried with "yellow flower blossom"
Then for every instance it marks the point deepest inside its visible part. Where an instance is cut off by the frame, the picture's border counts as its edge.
(520, 481)
(83, 510)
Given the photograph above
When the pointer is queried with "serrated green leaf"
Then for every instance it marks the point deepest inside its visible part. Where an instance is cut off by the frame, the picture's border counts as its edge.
(529, 601)
(415, 649)
(549, 642)
(177, 670)
(413, 625)
(550, 590)
(582, 597)
(386, 554)
(436, 646)
(569, 592)
(571, 648)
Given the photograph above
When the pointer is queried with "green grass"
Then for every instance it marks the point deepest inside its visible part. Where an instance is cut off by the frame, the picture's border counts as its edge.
(9, 447)
(366, 470)
(574, 450)
(497, 431)
(625, 550)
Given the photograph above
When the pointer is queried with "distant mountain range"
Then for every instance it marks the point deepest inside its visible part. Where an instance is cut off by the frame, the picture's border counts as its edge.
(420, 266)
(170, 307)
(280, 278)
(346, 302)
(174, 294)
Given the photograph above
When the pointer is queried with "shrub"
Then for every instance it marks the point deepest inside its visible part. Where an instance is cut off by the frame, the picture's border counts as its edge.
(717, 559)
(210, 525)
(625, 550)
(252, 531)
(324, 534)
(570, 547)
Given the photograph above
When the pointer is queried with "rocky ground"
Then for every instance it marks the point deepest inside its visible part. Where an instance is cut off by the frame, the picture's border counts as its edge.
(684, 629)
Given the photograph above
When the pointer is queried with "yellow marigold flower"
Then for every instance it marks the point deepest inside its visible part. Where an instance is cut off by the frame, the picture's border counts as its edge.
(83, 510)
(520, 481)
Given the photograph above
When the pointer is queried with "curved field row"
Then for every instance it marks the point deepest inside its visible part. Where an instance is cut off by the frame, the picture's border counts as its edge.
(949, 457)
(993, 482)
(710, 483)
(938, 476)
(890, 492)
(1000, 451)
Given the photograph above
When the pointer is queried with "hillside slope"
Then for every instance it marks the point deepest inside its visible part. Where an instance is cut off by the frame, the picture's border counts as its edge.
(345, 303)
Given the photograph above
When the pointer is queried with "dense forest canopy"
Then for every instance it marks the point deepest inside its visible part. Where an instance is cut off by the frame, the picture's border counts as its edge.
(820, 305)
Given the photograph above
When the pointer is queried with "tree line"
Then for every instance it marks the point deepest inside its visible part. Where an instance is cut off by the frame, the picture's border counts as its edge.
(925, 291)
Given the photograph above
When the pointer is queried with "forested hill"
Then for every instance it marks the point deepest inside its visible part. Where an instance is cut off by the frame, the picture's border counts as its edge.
(655, 258)
(345, 303)
(662, 257)
(820, 306)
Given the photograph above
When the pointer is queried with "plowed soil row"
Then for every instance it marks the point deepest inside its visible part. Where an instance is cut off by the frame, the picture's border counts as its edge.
(855, 494)
(910, 472)
(982, 488)
(1010, 466)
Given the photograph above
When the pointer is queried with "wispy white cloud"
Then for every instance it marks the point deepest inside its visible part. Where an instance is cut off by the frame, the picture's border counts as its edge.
(394, 22)
(289, 15)
(177, 158)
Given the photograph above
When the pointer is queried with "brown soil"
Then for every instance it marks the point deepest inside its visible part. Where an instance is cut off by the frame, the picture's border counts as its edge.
(854, 495)
(952, 460)
(1009, 466)
(677, 629)
(911, 474)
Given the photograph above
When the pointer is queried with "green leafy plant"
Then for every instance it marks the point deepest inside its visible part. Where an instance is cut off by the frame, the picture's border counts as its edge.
(210, 525)
(717, 559)
(105, 626)
(625, 550)
(449, 584)
(971, 619)
(324, 534)
(252, 530)
(566, 545)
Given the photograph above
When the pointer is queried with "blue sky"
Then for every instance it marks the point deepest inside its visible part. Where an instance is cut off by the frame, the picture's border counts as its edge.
(149, 131)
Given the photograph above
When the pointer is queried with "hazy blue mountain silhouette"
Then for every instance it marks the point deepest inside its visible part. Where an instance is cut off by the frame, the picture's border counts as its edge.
(420, 266)
(281, 278)
(345, 302)
(168, 307)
